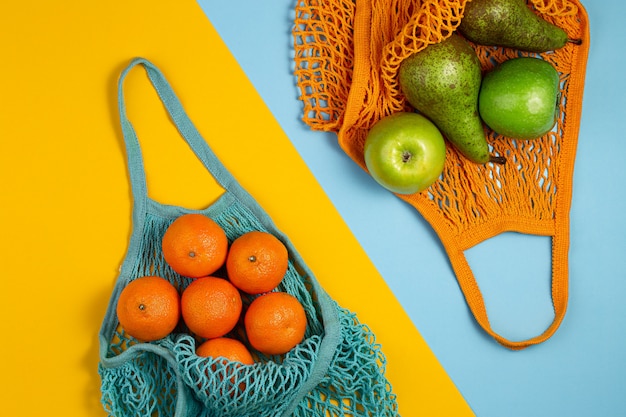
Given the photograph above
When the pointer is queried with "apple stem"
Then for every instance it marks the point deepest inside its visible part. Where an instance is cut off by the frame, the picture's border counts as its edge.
(501, 160)
(575, 41)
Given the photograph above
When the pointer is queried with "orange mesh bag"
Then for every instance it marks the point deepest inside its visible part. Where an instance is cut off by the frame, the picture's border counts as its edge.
(347, 57)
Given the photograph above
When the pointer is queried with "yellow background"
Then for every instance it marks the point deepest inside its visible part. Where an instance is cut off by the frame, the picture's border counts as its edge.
(66, 204)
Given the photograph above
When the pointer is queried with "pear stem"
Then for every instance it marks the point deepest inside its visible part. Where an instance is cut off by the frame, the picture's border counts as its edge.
(501, 160)
(575, 41)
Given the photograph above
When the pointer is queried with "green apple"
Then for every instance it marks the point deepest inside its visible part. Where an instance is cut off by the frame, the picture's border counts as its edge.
(519, 98)
(404, 152)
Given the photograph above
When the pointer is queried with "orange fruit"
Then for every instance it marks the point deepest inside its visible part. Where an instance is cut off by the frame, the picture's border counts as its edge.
(232, 350)
(211, 307)
(148, 308)
(194, 245)
(257, 262)
(275, 322)
(225, 347)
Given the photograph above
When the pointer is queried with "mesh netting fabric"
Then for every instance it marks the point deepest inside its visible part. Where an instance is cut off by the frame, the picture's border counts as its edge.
(347, 57)
(337, 370)
(354, 383)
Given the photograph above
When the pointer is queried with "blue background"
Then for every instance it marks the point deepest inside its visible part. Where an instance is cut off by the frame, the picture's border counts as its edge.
(581, 371)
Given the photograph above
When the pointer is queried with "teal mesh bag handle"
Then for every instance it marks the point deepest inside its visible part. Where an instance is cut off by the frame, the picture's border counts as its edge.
(182, 122)
(338, 367)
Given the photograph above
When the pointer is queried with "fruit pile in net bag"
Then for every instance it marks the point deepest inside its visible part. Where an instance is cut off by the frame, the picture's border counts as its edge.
(348, 63)
(163, 339)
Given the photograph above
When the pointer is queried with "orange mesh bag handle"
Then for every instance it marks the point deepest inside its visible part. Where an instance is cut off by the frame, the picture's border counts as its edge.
(347, 59)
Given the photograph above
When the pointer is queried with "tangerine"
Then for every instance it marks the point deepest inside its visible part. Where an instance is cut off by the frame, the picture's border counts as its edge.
(194, 245)
(225, 347)
(257, 262)
(148, 308)
(275, 323)
(232, 350)
(211, 306)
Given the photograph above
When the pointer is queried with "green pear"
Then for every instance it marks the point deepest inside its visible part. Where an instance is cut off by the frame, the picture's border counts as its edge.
(442, 82)
(510, 23)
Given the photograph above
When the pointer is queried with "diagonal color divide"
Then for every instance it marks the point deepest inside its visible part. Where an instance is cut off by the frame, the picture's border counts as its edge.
(421, 383)
(60, 74)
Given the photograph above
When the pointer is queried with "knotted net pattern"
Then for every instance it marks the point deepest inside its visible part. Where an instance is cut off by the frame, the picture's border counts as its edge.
(150, 383)
(347, 57)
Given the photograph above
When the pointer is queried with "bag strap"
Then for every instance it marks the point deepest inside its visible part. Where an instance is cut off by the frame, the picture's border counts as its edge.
(560, 291)
(182, 122)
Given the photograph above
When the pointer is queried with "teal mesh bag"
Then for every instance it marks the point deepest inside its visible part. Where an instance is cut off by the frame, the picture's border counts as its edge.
(337, 370)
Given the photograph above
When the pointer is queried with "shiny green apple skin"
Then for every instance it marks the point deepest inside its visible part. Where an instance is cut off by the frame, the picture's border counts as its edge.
(519, 98)
(405, 152)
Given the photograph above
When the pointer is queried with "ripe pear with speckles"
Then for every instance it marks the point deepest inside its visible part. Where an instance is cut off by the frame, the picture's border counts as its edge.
(442, 82)
(510, 23)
